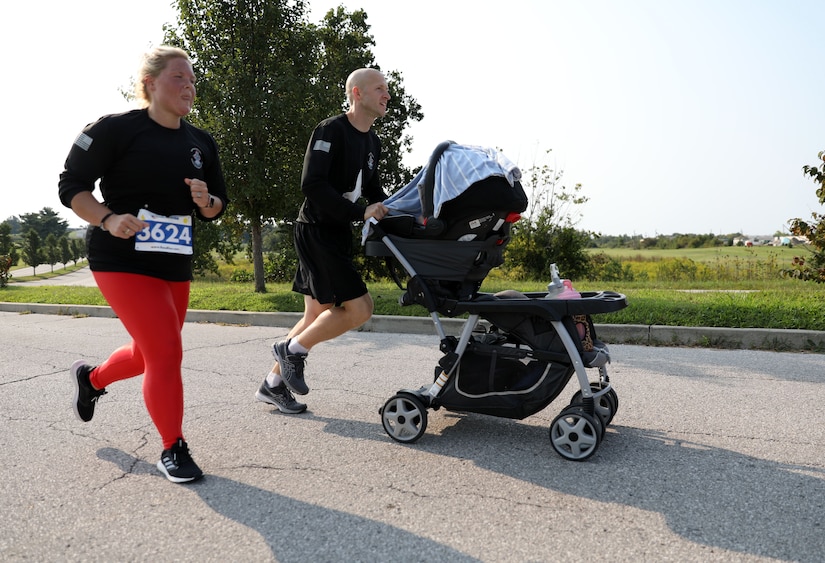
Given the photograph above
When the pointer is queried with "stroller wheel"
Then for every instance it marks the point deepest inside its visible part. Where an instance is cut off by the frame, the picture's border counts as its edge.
(607, 405)
(612, 394)
(574, 434)
(598, 418)
(404, 418)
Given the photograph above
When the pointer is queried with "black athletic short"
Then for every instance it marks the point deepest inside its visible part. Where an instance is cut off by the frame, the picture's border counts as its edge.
(325, 267)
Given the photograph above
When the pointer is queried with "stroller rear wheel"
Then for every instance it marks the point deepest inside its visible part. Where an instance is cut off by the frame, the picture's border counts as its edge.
(574, 434)
(607, 405)
(404, 418)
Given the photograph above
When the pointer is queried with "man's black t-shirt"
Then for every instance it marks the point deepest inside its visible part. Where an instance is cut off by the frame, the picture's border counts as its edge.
(340, 166)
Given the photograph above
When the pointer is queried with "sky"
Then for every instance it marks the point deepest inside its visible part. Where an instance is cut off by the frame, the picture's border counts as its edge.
(688, 116)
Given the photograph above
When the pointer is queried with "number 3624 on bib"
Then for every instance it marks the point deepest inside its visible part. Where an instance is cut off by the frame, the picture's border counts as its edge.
(171, 234)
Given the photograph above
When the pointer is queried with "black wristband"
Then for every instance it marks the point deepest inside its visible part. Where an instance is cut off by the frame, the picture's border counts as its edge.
(102, 221)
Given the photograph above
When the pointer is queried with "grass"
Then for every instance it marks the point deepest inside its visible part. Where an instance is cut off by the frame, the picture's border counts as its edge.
(783, 254)
(774, 303)
(731, 263)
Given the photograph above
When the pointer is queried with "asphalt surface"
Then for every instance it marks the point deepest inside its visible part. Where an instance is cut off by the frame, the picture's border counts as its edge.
(713, 455)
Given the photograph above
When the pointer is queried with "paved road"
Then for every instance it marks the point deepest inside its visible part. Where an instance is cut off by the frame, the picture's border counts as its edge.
(83, 276)
(713, 456)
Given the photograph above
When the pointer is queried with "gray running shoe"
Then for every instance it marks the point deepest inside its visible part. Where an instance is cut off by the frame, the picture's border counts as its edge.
(177, 464)
(292, 367)
(85, 396)
(281, 397)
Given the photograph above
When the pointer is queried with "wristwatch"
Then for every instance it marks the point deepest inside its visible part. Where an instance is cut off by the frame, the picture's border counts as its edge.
(102, 224)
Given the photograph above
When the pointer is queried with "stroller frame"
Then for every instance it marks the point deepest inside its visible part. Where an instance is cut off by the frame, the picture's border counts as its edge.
(498, 327)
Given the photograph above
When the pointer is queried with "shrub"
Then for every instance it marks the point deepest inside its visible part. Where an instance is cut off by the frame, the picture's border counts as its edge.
(280, 266)
(5, 269)
(812, 268)
(241, 276)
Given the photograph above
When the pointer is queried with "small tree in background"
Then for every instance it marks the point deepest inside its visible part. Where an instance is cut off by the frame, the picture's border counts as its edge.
(546, 234)
(51, 252)
(65, 250)
(78, 248)
(32, 250)
(812, 267)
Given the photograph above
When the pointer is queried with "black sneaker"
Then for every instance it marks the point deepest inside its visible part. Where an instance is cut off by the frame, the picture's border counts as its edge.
(292, 367)
(281, 397)
(85, 396)
(177, 464)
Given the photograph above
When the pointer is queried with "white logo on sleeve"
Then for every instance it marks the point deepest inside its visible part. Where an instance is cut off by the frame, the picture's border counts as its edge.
(322, 146)
(83, 141)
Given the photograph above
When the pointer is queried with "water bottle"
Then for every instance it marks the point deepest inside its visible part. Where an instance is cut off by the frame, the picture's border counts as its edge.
(568, 292)
(556, 286)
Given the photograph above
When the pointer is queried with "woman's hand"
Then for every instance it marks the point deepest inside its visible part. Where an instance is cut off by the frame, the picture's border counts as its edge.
(124, 226)
(199, 191)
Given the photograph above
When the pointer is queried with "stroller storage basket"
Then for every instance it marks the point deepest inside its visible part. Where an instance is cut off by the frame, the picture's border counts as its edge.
(488, 381)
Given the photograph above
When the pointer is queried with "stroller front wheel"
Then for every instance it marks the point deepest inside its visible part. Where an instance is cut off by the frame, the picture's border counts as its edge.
(574, 434)
(404, 418)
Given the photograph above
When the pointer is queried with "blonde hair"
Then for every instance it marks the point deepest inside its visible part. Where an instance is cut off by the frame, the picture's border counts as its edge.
(153, 64)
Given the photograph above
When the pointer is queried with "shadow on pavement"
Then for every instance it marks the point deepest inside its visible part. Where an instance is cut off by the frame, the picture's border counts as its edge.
(726, 491)
(292, 529)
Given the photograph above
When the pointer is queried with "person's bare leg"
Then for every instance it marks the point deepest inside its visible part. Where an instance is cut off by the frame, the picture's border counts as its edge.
(312, 309)
(335, 321)
(329, 323)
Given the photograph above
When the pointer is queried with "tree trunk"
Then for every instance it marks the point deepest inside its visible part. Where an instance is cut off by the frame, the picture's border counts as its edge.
(258, 258)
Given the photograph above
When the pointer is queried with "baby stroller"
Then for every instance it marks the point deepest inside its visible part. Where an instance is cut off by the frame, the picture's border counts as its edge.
(516, 351)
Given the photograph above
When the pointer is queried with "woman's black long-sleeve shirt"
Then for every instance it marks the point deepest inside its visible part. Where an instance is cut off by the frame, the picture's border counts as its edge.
(141, 165)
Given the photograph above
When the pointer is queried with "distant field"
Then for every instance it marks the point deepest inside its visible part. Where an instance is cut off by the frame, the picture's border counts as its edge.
(782, 255)
(720, 264)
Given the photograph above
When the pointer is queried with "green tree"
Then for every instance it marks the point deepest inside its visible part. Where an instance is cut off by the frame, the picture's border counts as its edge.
(78, 247)
(46, 222)
(265, 80)
(64, 250)
(51, 251)
(14, 224)
(32, 250)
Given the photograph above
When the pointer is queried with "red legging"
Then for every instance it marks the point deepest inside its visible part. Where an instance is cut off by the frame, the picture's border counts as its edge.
(152, 311)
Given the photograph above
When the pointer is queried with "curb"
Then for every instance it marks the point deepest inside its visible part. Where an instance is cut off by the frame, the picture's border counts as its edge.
(645, 335)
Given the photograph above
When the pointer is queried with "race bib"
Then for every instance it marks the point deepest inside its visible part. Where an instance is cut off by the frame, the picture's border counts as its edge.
(165, 234)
